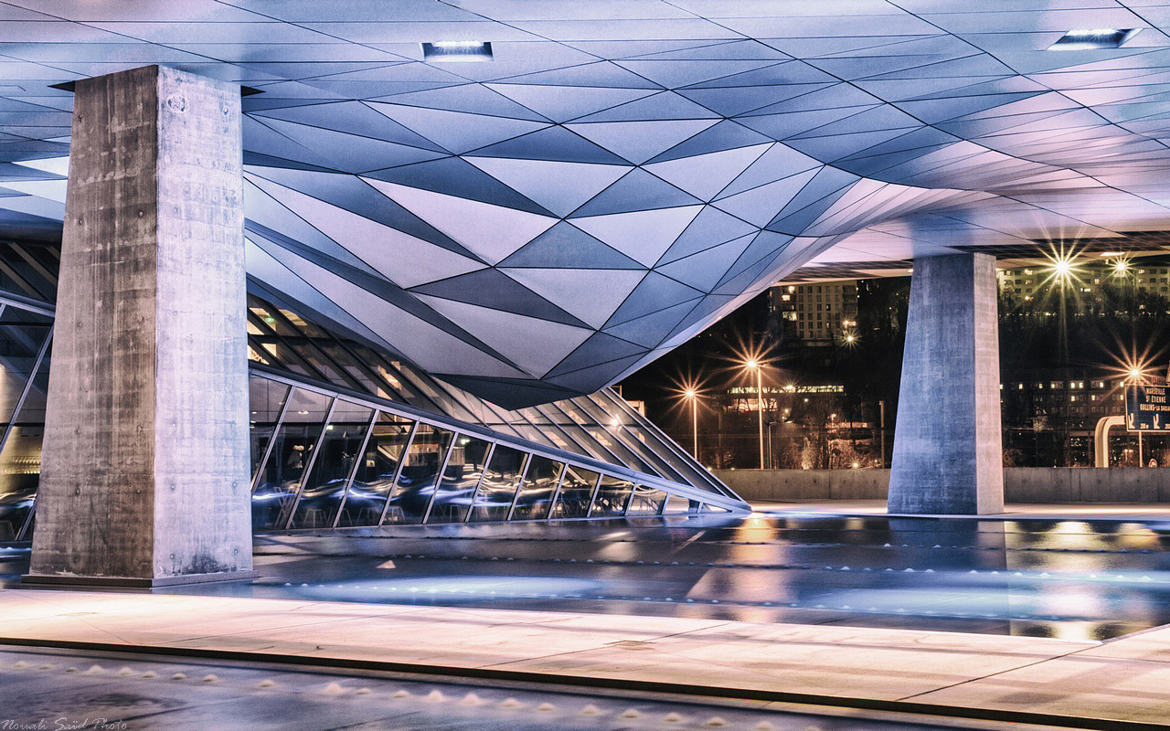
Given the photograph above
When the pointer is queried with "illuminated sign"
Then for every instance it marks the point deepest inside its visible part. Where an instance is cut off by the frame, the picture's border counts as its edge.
(1147, 408)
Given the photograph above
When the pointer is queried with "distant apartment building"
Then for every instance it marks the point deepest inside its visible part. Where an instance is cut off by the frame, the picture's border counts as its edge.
(1036, 284)
(820, 314)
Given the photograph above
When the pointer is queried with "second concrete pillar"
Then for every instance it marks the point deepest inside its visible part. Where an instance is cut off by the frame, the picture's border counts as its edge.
(948, 454)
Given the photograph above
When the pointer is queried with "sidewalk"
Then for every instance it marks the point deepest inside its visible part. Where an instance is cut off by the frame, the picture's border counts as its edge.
(1127, 679)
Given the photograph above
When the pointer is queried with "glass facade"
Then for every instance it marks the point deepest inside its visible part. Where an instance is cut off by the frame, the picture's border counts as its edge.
(342, 436)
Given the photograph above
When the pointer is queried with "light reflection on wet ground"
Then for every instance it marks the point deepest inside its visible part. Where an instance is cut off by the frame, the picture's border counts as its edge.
(1050, 578)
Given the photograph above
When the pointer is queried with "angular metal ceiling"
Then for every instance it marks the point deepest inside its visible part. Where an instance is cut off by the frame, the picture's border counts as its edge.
(619, 174)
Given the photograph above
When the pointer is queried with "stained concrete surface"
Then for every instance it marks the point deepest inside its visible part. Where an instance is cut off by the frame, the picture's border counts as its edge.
(143, 476)
(64, 688)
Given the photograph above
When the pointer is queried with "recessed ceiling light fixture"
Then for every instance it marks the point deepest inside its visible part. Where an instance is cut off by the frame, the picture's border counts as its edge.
(1091, 38)
(452, 51)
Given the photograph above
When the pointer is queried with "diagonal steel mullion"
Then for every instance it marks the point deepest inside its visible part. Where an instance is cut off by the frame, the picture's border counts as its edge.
(275, 431)
(487, 460)
(398, 471)
(27, 387)
(308, 471)
(552, 504)
(528, 456)
(439, 481)
(593, 494)
(361, 455)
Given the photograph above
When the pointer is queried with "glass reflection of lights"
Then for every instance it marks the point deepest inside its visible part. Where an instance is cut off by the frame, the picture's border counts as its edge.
(451, 588)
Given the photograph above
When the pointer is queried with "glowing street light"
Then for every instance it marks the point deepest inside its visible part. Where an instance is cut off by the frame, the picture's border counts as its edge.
(754, 365)
(693, 396)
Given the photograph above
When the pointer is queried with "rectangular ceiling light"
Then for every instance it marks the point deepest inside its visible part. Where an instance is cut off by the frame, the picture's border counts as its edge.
(1083, 40)
(451, 51)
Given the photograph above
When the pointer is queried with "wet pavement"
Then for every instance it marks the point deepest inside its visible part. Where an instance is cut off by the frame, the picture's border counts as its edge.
(54, 689)
(1083, 579)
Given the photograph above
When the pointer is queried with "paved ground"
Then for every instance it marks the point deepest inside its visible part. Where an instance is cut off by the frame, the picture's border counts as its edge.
(794, 603)
(1124, 679)
(55, 689)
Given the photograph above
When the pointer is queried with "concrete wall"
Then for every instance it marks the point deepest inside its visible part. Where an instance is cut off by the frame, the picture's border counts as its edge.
(1021, 485)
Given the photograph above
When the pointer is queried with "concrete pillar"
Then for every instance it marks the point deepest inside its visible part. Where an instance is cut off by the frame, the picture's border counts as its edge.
(948, 454)
(144, 477)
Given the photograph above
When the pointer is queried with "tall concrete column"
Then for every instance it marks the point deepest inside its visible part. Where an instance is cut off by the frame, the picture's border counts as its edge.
(948, 453)
(144, 478)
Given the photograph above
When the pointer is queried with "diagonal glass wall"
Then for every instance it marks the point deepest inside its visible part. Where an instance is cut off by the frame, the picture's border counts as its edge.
(343, 436)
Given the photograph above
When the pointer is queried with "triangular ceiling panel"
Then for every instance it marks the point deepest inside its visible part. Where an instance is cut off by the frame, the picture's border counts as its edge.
(492, 232)
(575, 184)
(472, 99)
(705, 175)
(533, 344)
(562, 103)
(356, 196)
(590, 294)
(352, 117)
(642, 235)
(655, 292)
(664, 105)
(725, 135)
(758, 205)
(637, 191)
(457, 132)
(778, 162)
(640, 141)
(552, 143)
(599, 348)
(400, 257)
(456, 176)
(651, 329)
(710, 228)
(565, 246)
(704, 269)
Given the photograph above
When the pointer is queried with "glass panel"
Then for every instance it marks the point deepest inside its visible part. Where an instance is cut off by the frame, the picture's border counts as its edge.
(537, 491)
(464, 467)
(416, 484)
(279, 478)
(612, 497)
(321, 496)
(19, 345)
(375, 475)
(20, 470)
(265, 397)
(494, 498)
(576, 492)
(678, 504)
(20, 462)
(647, 501)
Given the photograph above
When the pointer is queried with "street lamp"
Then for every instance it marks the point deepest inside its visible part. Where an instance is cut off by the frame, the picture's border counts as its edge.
(754, 365)
(693, 396)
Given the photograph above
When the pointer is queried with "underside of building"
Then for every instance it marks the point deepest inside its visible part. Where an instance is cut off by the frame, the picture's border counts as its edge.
(438, 232)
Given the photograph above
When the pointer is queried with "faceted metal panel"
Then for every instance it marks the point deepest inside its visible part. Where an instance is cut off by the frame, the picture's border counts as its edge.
(617, 176)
